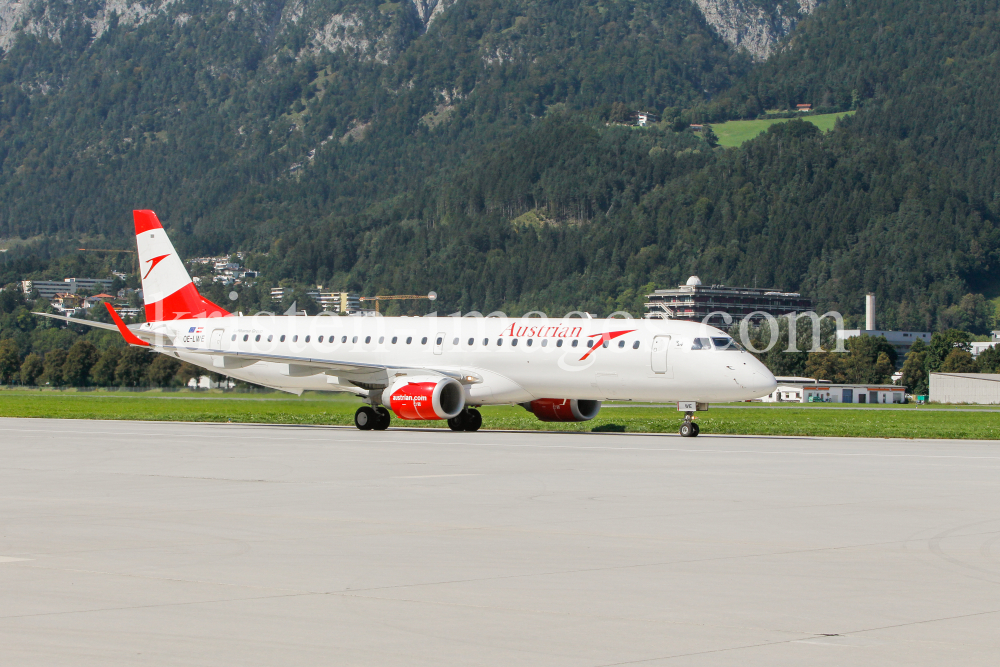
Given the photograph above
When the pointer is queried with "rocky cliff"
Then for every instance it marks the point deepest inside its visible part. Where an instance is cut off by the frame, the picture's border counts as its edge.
(754, 26)
(335, 26)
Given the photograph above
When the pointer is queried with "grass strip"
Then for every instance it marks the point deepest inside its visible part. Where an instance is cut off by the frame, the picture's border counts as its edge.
(339, 410)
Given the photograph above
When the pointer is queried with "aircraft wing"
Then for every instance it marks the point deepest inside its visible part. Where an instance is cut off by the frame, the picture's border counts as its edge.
(77, 320)
(304, 366)
(350, 371)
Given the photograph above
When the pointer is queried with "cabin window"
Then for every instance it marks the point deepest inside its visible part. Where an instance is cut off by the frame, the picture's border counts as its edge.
(354, 340)
(423, 341)
(394, 340)
(368, 339)
(343, 339)
(454, 342)
(246, 337)
(472, 341)
(530, 342)
(499, 341)
(332, 340)
(320, 340)
(635, 345)
(545, 342)
(439, 340)
(575, 343)
(282, 339)
(307, 339)
(409, 339)
(256, 338)
(295, 339)
(559, 343)
(604, 344)
(381, 339)
(269, 338)
(486, 341)
(590, 343)
(234, 336)
(513, 343)
(621, 343)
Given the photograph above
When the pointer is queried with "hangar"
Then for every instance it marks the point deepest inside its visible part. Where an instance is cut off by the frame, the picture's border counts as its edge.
(979, 388)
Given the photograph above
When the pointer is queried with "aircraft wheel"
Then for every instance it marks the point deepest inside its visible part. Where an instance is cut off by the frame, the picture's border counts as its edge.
(474, 420)
(457, 423)
(696, 429)
(383, 419)
(687, 430)
(365, 418)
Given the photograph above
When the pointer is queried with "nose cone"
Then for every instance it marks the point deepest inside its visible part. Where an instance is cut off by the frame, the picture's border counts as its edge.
(763, 381)
(755, 379)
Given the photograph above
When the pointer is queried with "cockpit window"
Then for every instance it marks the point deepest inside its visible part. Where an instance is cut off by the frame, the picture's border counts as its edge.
(701, 344)
(726, 344)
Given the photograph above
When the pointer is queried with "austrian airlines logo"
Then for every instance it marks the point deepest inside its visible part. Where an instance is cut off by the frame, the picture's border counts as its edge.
(600, 339)
(155, 261)
(603, 339)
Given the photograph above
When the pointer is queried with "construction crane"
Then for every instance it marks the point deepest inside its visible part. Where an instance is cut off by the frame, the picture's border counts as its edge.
(430, 296)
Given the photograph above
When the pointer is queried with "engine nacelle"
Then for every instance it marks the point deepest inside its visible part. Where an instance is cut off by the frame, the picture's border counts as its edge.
(563, 409)
(431, 397)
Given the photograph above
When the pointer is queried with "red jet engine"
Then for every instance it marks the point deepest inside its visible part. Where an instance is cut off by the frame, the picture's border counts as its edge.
(563, 409)
(432, 397)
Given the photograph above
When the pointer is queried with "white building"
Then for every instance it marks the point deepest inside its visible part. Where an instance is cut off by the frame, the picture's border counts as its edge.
(977, 388)
(336, 302)
(47, 289)
(977, 348)
(206, 382)
(824, 392)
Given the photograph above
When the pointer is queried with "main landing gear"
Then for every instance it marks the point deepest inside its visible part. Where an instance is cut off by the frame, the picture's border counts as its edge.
(368, 418)
(466, 420)
(689, 429)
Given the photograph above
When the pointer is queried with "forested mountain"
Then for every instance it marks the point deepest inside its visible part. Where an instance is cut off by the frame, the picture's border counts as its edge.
(473, 147)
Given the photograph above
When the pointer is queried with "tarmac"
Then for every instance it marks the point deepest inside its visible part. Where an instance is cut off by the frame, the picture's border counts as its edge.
(138, 543)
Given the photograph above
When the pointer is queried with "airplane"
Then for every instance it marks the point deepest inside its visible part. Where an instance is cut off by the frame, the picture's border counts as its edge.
(439, 368)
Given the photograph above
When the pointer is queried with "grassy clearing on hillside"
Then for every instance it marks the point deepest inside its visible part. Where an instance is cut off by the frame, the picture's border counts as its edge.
(735, 132)
(339, 410)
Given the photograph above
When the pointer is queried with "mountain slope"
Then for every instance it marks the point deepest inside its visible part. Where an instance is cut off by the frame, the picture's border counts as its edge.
(367, 146)
(193, 107)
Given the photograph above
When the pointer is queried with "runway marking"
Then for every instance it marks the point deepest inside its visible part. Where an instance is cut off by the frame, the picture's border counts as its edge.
(365, 440)
(459, 474)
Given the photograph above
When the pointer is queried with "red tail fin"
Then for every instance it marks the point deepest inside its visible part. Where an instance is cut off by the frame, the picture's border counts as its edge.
(167, 288)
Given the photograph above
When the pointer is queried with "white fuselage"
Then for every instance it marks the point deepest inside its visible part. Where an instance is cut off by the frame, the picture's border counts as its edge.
(499, 360)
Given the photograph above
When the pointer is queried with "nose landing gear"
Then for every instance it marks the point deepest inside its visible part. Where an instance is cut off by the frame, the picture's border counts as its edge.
(689, 429)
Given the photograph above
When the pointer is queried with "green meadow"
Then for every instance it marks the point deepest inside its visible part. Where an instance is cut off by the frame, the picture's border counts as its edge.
(735, 132)
(338, 409)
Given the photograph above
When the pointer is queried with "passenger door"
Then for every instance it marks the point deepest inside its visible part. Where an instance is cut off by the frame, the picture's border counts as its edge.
(658, 354)
(439, 342)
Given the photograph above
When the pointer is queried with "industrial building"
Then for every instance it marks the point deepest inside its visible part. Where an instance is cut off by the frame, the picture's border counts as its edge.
(694, 301)
(47, 289)
(825, 392)
(901, 341)
(977, 388)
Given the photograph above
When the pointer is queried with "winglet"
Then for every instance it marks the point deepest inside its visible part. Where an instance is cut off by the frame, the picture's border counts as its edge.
(129, 337)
